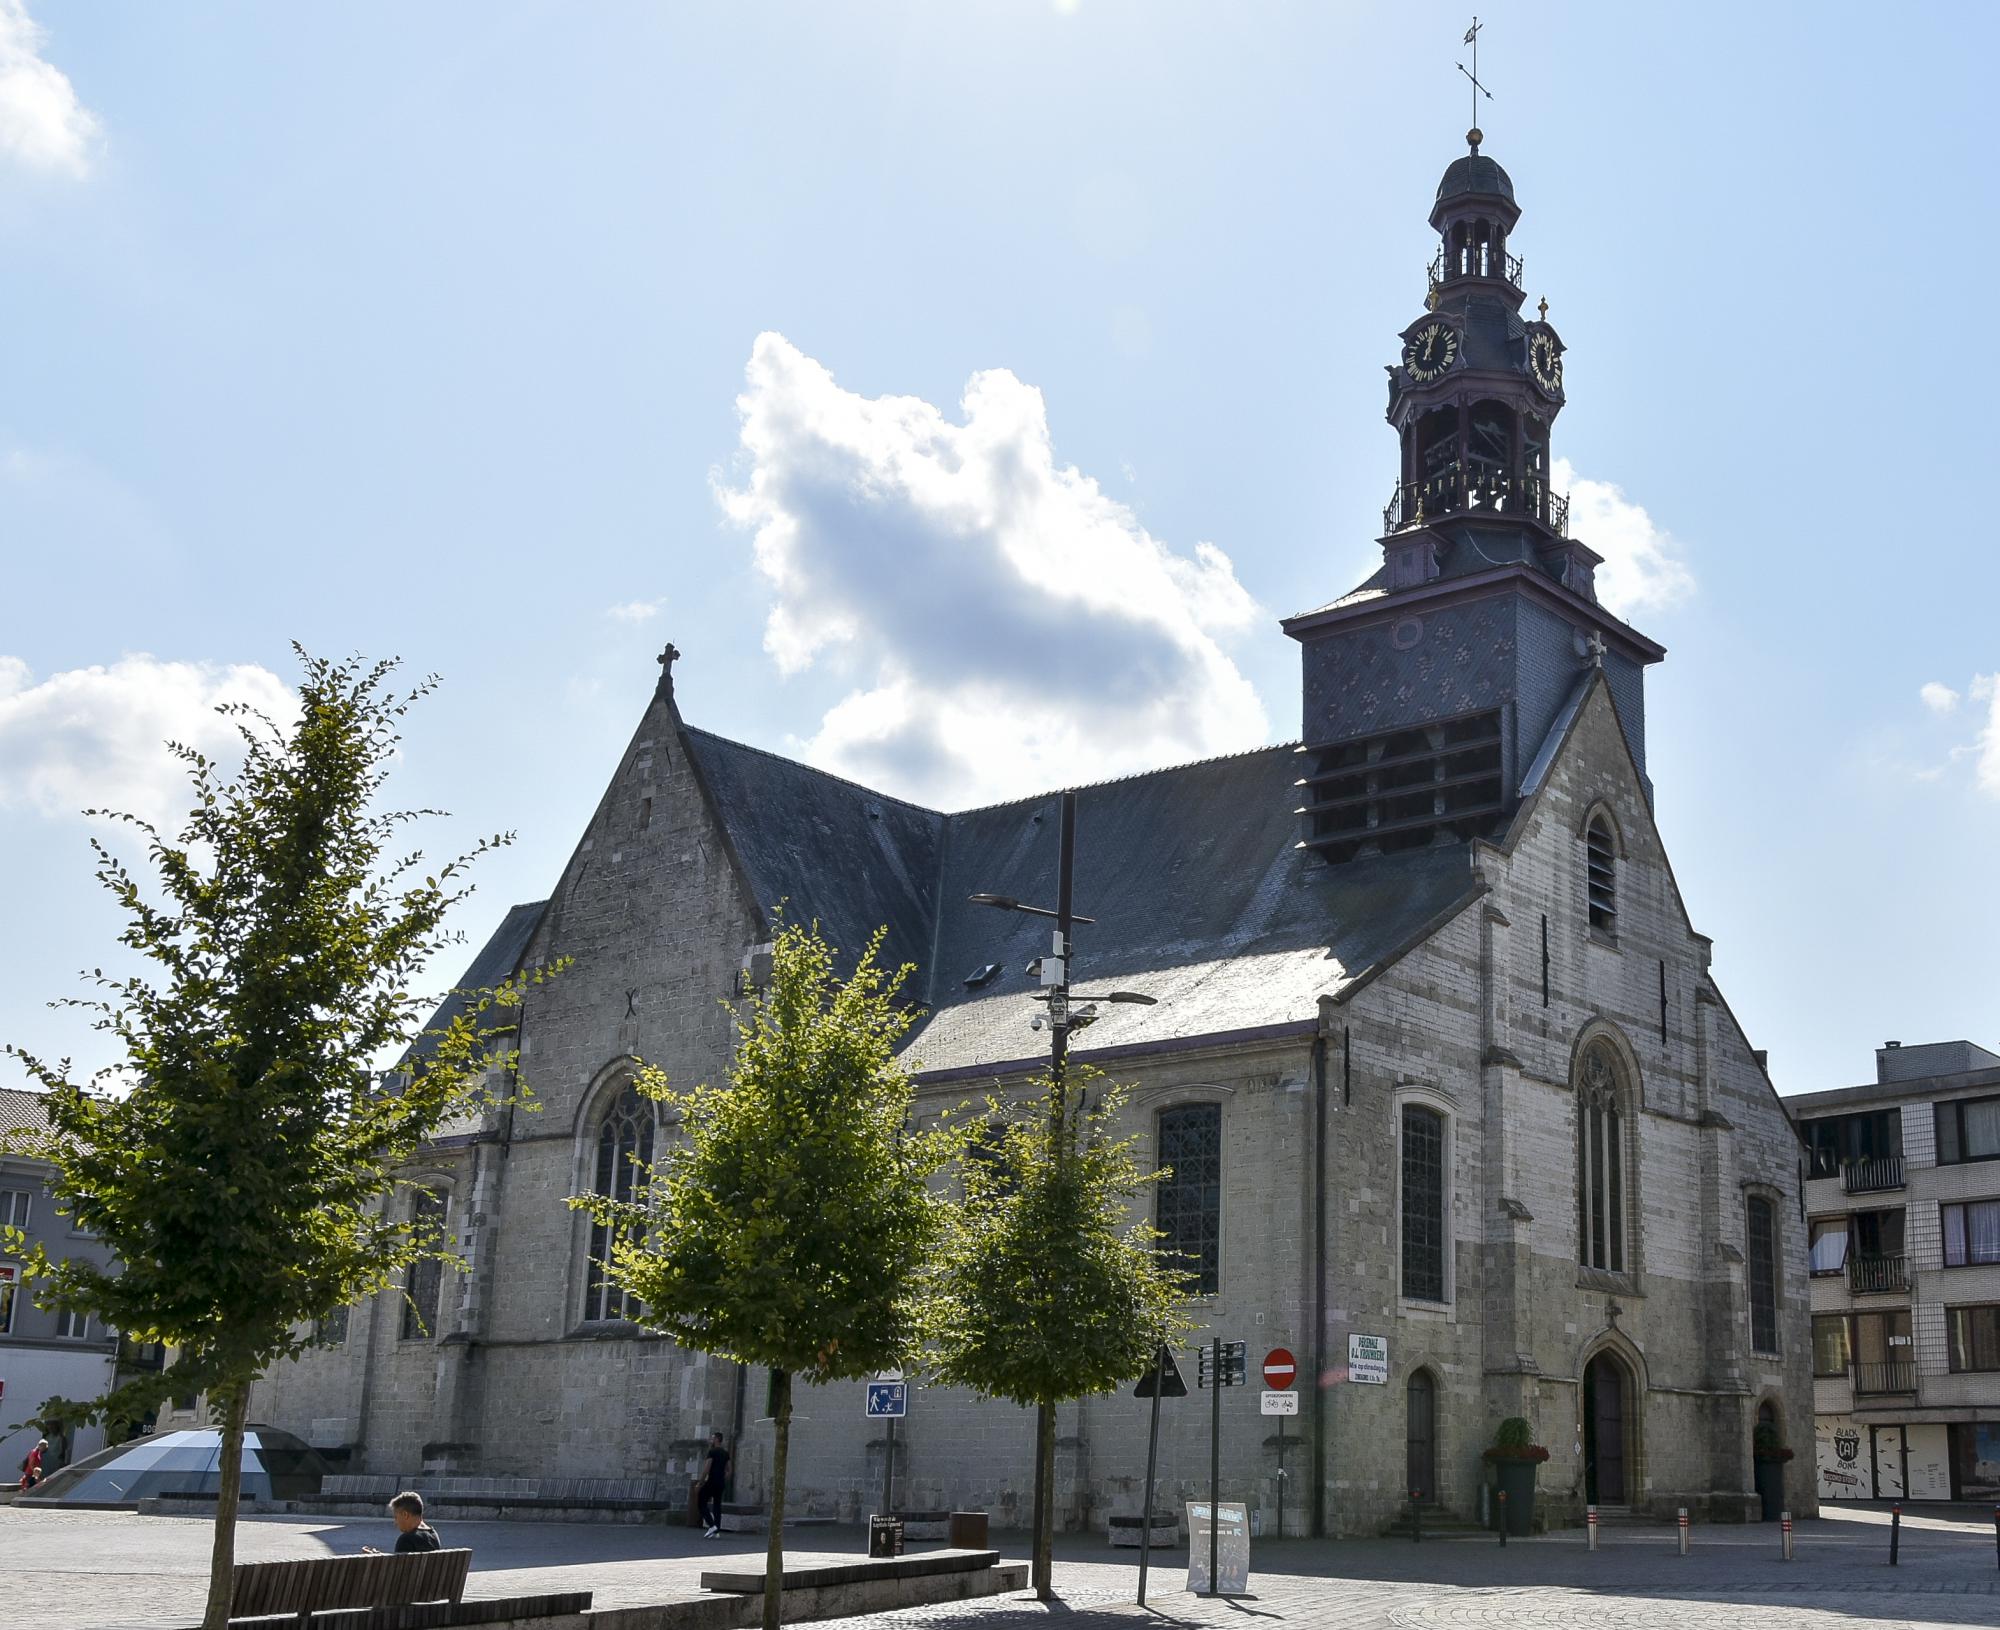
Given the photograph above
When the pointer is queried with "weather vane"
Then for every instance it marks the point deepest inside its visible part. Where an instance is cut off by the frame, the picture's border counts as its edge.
(1478, 90)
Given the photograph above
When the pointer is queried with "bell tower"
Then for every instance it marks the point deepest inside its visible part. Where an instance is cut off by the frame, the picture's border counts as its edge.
(1430, 690)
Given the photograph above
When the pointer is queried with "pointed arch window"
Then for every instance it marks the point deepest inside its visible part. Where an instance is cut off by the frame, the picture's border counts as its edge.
(1189, 1197)
(1600, 1162)
(1761, 1260)
(1423, 1203)
(1601, 866)
(624, 1143)
(428, 1214)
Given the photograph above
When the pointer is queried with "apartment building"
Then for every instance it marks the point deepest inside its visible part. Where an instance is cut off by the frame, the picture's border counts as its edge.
(1902, 1196)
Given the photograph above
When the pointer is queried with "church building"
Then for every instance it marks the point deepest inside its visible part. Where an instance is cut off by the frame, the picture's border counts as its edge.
(1453, 1109)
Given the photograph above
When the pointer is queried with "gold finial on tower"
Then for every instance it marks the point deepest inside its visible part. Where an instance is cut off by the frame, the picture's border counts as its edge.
(1542, 305)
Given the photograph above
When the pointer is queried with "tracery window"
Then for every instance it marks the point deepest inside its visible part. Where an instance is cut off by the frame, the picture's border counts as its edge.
(420, 1292)
(1423, 1203)
(1189, 1198)
(1761, 1259)
(624, 1143)
(1600, 1162)
(1601, 867)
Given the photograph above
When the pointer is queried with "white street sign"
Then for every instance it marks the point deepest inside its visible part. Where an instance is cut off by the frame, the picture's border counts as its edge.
(1368, 1360)
(1281, 1403)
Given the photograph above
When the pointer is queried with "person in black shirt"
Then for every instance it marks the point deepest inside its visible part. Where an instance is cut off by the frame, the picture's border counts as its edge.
(412, 1532)
(713, 1480)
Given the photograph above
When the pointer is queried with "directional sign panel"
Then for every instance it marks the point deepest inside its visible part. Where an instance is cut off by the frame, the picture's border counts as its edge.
(888, 1400)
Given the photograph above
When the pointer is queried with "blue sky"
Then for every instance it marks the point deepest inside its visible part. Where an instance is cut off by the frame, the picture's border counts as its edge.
(436, 331)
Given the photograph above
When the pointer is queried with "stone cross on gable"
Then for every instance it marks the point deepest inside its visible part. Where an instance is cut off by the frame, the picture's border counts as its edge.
(666, 660)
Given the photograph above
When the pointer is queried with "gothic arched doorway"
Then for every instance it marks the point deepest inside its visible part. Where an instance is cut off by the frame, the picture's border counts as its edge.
(1607, 1431)
(1420, 1436)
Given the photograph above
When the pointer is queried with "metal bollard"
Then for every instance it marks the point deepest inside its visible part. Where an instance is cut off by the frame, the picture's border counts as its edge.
(1503, 1520)
(1684, 1530)
(1785, 1533)
(1416, 1517)
(1895, 1532)
(1590, 1524)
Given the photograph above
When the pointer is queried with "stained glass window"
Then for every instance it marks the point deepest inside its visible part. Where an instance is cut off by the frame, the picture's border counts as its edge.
(1600, 1164)
(1190, 1196)
(420, 1296)
(624, 1136)
(1423, 1203)
(1761, 1257)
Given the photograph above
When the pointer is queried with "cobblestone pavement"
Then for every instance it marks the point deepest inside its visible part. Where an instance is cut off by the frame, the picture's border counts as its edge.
(120, 1571)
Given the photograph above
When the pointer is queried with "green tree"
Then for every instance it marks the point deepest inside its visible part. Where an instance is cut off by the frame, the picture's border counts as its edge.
(791, 1226)
(242, 1176)
(1048, 1288)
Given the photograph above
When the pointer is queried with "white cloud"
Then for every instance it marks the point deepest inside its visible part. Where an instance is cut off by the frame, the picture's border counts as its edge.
(635, 611)
(1642, 568)
(1006, 624)
(1985, 749)
(95, 737)
(42, 124)
(1938, 698)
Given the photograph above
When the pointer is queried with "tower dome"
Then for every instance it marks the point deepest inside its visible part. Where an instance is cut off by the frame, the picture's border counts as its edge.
(1475, 173)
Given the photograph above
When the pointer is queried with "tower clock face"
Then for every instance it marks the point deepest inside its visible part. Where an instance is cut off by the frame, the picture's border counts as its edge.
(1431, 350)
(1545, 361)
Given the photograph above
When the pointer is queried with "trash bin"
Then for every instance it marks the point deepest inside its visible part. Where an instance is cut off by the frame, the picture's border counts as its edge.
(966, 1531)
(885, 1536)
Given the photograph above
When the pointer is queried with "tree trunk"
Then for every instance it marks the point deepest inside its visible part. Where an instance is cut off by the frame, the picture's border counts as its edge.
(774, 1552)
(222, 1559)
(1045, 1537)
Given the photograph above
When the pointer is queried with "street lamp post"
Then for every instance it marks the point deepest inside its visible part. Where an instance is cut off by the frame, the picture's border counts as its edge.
(1055, 977)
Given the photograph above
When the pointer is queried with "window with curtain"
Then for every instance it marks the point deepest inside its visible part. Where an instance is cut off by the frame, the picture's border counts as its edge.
(624, 1143)
(1971, 1233)
(1968, 1129)
(1829, 1245)
(1761, 1261)
(1829, 1337)
(1600, 1162)
(420, 1294)
(1189, 1197)
(1423, 1203)
(1974, 1337)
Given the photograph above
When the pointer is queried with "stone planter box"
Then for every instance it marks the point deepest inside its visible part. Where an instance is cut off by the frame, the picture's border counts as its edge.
(1128, 1531)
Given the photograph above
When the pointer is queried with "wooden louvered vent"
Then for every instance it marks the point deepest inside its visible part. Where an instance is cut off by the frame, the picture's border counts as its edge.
(1404, 789)
(1601, 860)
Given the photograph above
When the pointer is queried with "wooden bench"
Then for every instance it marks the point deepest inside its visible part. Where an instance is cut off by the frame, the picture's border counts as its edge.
(391, 1580)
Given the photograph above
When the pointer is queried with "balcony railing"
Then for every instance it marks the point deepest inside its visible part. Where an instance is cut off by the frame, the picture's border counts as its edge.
(1490, 488)
(1476, 260)
(1872, 1175)
(1895, 1375)
(1867, 1274)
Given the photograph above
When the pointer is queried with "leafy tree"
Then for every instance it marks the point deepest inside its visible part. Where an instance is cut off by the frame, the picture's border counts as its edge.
(1047, 1288)
(244, 1179)
(791, 1227)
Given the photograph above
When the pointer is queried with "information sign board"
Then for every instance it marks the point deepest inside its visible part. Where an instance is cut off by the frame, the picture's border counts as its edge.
(888, 1400)
(1232, 1537)
(1281, 1403)
(1368, 1360)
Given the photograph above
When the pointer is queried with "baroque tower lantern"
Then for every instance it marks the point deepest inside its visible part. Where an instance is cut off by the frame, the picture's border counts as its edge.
(1431, 690)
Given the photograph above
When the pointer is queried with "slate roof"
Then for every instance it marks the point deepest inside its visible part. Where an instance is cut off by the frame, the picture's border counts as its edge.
(1475, 173)
(1202, 897)
(830, 850)
(497, 958)
(21, 1111)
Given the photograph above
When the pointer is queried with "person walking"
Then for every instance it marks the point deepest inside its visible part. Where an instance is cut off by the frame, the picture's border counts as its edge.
(713, 1481)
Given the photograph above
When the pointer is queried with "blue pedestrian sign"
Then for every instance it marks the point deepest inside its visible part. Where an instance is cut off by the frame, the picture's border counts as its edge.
(888, 1400)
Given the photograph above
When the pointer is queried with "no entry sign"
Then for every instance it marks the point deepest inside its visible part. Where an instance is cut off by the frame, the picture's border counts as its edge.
(1280, 1369)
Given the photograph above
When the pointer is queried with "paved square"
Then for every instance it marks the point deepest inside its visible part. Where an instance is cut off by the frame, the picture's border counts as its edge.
(120, 1571)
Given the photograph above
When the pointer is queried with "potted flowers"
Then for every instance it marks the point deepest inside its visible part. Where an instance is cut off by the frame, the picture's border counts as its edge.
(1514, 1456)
(1769, 1454)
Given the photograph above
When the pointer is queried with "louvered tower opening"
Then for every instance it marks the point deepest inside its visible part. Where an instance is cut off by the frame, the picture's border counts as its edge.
(1405, 789)
(1600, 859)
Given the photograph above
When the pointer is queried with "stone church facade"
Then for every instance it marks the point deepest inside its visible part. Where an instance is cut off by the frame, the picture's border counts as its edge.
(1436, 1056)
